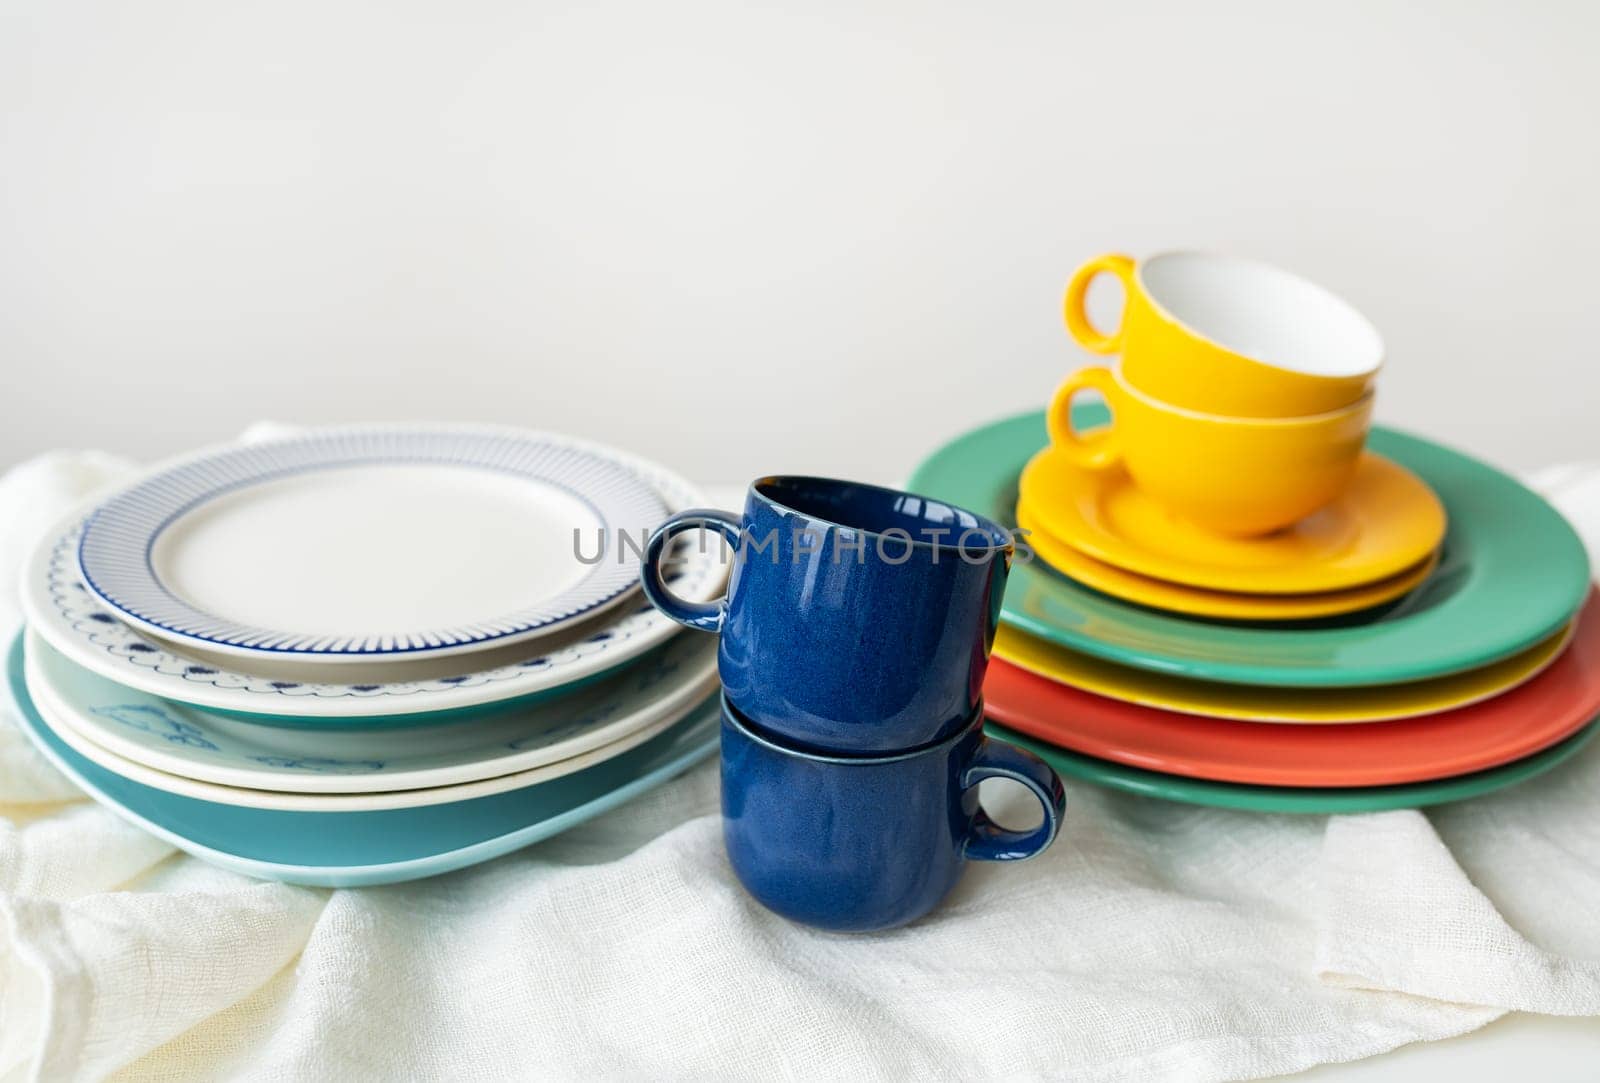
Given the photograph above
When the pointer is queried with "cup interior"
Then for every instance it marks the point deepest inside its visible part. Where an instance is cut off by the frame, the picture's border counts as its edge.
(1263, 313)
(876, 511)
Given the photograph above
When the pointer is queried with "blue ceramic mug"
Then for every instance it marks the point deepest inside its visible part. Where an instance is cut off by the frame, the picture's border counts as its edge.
(857, 618)
(855, 843)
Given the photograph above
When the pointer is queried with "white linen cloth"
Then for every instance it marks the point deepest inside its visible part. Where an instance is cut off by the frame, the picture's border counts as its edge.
(1153, 941)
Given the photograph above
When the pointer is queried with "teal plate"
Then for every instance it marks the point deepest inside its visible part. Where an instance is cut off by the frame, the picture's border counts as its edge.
(1234, 795)
(356, 849)
(1512, 571)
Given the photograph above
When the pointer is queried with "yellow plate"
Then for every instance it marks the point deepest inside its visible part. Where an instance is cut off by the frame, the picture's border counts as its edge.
(1386, 522)
(1195, 601)
(1252, 703)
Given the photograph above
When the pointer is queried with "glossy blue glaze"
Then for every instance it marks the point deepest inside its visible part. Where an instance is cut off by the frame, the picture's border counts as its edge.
(858, 619)
(861, 843)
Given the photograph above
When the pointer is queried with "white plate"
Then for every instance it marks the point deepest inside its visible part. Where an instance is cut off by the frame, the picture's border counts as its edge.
(60, 608)
(74, 724)
(350, 544)
(209, 747)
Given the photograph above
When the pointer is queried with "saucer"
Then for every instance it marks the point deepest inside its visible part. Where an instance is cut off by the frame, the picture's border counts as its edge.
(354, 849)
(1177, 598)
(1304, 801)
(1386, 522)
(1259, 703)
(1517, 723)
(1511, 573)
(186, 744)
(399, 692)
(371, 542)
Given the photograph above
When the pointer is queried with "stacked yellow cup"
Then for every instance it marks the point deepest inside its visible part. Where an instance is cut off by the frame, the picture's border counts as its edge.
(1243, 396)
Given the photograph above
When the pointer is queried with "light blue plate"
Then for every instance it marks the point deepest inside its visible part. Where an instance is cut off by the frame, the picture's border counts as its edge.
(355, 849)
(643, 700)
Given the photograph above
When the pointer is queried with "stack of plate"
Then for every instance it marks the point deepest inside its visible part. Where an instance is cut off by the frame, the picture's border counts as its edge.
(1357, 662)
(368, 654)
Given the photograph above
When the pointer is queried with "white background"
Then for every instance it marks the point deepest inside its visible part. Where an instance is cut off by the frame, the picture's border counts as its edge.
(746, 239)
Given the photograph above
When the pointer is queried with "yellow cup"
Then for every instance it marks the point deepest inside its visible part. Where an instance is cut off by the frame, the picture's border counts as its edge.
(1233, 475)
(1230, 336)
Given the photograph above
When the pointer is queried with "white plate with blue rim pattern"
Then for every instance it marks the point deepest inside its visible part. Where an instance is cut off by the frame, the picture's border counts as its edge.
(211, 758)
(417, 691)
(371, 542)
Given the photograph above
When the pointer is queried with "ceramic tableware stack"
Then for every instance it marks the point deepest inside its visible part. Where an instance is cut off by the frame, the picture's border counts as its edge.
(853, 643)
(1234, 479)
(1243, 593)
(367, 654)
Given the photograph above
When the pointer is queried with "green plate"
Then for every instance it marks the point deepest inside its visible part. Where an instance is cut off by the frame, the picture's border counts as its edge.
(1512, 571)
(1195, 791)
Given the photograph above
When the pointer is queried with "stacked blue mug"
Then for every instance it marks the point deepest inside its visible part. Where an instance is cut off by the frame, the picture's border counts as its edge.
(855, 633)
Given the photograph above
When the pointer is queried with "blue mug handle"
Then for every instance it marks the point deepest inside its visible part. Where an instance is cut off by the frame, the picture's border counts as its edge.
(704, 616)
(988, 841)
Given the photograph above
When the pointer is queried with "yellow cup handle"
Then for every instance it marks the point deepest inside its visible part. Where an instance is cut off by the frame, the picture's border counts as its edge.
(1100, 450)
(1077, 319)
